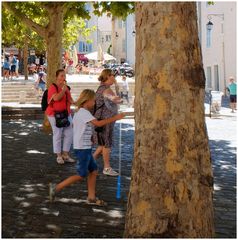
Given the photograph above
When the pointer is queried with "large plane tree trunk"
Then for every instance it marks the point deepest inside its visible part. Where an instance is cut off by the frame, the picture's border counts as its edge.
(172, 181)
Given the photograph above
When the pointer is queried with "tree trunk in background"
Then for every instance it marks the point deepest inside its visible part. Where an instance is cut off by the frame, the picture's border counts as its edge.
(25, 59)
(172, 181)
(54, 35)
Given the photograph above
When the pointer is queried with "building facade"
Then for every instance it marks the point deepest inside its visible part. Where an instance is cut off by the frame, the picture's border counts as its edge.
(130, 40)
(119, 39)
(102, 34)
(105, 32)
(218, 42)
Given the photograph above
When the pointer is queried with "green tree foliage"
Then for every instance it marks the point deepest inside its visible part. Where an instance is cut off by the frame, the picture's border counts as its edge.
(15, 33)
(18, 32)
(48, 19)
(74, 27)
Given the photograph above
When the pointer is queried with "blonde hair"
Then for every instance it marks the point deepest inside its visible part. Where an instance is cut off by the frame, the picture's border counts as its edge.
(104, 75)
(85, 95)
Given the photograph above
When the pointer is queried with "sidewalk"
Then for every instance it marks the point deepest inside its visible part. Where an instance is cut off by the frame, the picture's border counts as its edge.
(28, 165)
(224, 112)
(71, 78)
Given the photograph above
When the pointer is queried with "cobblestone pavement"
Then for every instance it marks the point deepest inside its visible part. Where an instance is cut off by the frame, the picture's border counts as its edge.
(28, 166)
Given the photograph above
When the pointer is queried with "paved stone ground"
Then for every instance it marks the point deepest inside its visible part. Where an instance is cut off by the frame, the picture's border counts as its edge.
(28, 165)
(222, 134)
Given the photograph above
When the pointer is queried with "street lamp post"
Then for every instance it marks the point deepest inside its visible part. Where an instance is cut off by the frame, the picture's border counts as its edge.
(209, 27)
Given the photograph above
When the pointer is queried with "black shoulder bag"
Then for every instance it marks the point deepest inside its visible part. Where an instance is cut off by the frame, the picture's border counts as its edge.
(61, 117)
(99, 129)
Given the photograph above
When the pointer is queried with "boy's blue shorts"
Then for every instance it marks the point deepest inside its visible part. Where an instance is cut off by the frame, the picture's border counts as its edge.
(86, 162)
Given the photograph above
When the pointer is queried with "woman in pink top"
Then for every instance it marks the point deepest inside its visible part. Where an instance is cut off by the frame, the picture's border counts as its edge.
(59, 99)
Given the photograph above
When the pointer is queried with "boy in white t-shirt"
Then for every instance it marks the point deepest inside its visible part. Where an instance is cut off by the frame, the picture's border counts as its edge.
(83, 123)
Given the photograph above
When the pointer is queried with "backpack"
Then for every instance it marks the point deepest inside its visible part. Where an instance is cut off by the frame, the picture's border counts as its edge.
(14, 60)
(44, 100)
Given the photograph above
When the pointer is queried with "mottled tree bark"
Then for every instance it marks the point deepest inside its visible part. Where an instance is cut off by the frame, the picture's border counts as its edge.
(172, 181)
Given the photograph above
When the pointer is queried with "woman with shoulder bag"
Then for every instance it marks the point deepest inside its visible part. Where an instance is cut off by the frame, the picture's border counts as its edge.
(105, 107)
(59, 115)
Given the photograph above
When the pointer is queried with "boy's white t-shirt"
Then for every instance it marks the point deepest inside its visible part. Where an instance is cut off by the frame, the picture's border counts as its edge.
(82, 129)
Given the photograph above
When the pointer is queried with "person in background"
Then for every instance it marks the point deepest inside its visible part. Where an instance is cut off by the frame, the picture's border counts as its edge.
(60, 100)
(17, 68)
(41, 79)
(13, 62)
(125, 89)
(232, 91)
(36, 79)
(6, 68)
(37, 61)
(106, 106)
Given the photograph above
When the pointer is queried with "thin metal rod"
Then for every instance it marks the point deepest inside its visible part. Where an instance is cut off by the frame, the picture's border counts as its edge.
(120, 124)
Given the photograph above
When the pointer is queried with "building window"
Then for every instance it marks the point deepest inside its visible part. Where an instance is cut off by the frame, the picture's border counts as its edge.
(208, 38)
(124, 45)
(108, 38)
(209, 77)
(123, 24)
(90, 47)
(85, 47)
(86, 24)
(80, 46)
(216, 78)
(88, 6)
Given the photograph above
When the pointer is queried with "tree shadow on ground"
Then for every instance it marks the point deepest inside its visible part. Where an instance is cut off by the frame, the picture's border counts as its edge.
(224, 168)
(29, 165)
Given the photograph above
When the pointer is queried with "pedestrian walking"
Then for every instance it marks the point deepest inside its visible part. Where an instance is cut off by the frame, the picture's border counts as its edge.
(232, 91)
(125, 89)
(106, 107)
(83, 122)
(13, 62)
(17, 68)
(59, 115)
(6, 68)
(41, 79)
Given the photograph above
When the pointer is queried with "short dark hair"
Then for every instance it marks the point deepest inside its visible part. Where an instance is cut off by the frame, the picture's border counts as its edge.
(58, 72)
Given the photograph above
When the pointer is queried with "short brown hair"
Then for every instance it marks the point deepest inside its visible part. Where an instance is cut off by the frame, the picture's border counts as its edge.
(105, 74)
(58, 72)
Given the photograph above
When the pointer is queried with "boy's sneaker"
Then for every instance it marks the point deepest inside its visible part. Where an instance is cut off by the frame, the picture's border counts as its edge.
(52, 192)
(110, 172)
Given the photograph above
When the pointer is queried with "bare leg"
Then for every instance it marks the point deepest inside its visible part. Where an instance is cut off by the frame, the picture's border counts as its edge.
(65, 154)
(92, 185)
(106, 157)
(98, 152)
(67, 182)
(232, 107)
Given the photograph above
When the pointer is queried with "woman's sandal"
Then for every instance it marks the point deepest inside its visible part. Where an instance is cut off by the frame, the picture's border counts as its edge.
(96, 202)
